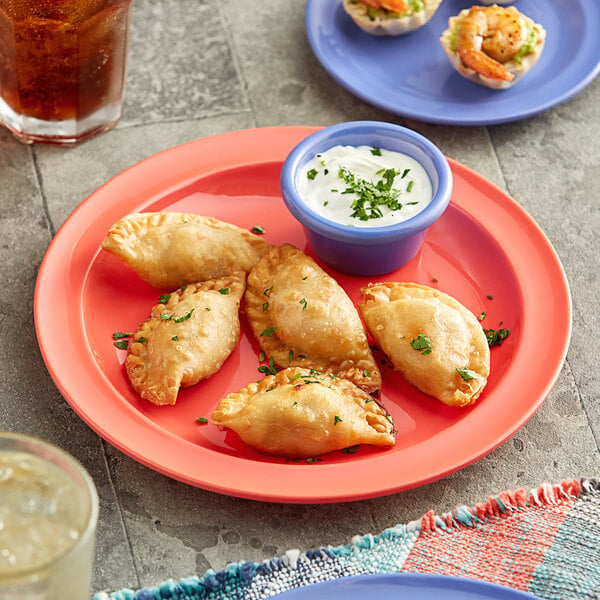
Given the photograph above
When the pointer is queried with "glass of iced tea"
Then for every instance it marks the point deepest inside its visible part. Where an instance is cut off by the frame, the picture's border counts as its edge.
(48, 517)
(62, 67)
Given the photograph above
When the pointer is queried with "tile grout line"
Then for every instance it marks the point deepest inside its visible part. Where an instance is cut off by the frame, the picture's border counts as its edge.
(236, 61)
(581, 402)
(121, 516)
(40, 183)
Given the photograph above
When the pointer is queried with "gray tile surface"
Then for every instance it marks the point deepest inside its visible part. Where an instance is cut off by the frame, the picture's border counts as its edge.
(199, 68)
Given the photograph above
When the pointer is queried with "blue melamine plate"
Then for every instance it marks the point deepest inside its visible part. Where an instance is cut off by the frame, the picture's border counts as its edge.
(411, 76)
(405, 586)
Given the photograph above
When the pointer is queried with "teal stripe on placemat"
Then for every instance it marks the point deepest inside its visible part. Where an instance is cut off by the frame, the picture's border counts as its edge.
(383, 553)
(571, 567)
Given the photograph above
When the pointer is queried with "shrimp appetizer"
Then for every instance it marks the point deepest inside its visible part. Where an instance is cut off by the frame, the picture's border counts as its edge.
(390, 17)
(493, 45)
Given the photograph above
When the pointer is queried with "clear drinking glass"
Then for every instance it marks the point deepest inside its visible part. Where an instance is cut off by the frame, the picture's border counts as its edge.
(48, 519)
(62, 67)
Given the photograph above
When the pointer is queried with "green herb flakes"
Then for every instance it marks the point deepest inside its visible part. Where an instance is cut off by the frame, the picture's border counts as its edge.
(495, 337)
(311, 174)
(224, 291)
(183, 318)
(304, 303)
(271, 369)
(164, 298)
(422, 344)
(467, 374)
(122, 345)
(481, 317)
(376, 151)
(258, 229)
(351, 449)
(370, 197)
(268, 332)
(119, 335)
(201, 420)
(336, 420)
(261, 355)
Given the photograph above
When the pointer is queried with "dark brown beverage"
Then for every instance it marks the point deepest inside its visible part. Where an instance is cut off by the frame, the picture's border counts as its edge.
(62, 61)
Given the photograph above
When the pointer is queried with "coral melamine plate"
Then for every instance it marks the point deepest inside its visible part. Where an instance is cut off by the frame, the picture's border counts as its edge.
(485, 250)
(410, 75)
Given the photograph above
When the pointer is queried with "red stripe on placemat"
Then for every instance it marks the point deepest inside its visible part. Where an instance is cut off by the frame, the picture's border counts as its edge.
(501, 541)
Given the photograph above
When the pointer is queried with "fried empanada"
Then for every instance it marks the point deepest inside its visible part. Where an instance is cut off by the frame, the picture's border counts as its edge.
(303, 318)
(431, 338)
(170, 249)
(187, 338)
(304, 413)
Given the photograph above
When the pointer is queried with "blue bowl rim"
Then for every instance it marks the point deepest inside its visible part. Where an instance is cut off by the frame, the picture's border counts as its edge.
(365, 235)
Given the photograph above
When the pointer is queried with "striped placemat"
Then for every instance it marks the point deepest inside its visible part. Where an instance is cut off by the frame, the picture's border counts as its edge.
(544, 541)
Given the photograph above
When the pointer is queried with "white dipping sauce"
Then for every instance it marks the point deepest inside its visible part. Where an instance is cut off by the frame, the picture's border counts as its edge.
(322, 181)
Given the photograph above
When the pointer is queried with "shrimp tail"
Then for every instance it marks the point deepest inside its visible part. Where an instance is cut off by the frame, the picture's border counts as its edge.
(484, 65)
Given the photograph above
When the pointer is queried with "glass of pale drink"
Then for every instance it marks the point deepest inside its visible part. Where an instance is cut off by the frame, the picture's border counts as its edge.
(48, 518)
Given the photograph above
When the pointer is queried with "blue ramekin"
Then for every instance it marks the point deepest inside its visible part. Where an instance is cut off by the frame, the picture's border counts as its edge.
(367, 250)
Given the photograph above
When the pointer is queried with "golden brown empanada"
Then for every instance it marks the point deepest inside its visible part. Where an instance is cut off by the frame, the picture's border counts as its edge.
(187, 338)
(302, 317)
(303, 413)
(431, 338)
(170, 249)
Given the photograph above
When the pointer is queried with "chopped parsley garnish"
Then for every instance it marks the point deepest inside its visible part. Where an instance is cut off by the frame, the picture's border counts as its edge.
(490, 296)
(201, 420)
(481, 316)
(304, 303)
(265, 306)
(267, 292)
(224, 291)
(350, 449)
(376, 151)
(336, 420)
(271, 369)
(495, 337)
(165, 317)
(182, 318)
(422, 344)
(141, 340)
(410, 186)
(311, 174)
(261, 355)
(467, 374)
(122, 345)
(119, 335)
(175, 338)
(291, 356)
(371, 196)
(258, 229)
(365, 373)
(164, 298)
(268, 332)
